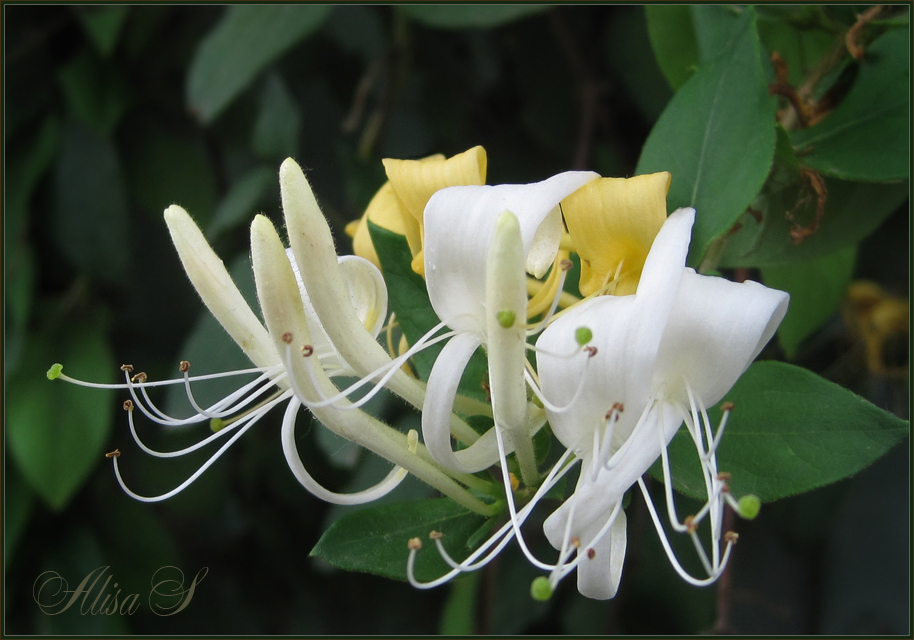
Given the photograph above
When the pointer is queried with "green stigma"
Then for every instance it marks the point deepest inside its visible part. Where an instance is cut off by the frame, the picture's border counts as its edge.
(216, 425)
(583, 335)
(749, 506)
(55, 371)
(506, 318)
(540, 589)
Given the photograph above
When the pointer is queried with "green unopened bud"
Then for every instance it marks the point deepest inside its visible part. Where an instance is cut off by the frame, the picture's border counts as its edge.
(583, 335)
(506, 318)
(749, 506)
(217, 424)
(540, 589)
(55, 371)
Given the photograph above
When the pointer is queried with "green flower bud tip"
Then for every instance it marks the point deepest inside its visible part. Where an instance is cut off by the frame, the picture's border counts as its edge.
(540, 589)
(583, 335)
(216, 425)
(506, 318)
(55, 371)
(749, 506)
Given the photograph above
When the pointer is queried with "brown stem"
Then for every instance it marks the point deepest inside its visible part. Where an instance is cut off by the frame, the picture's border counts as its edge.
(724, 585)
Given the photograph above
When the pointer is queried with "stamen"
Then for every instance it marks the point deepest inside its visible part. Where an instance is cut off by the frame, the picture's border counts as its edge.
(591, 553)
(591, 351)
(287, 337)
(128, 405)
(124, 367)
(114, 454)
(307, 350)
(435, 535)
(414, 544)
(731, 537)
(184, 366)
(140, 377)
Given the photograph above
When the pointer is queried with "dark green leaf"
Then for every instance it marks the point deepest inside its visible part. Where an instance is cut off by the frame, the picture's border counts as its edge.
(867, 136)
(25, 168)
(790, 432)
(278, 125)
(852, 212)
(816, 290)
(18, 501)
(459, 613)
(375, 540)
(90, 210)
(57, 430)
(103, 24)
(470, 16)
(717, 138)
(247, 40)
(357, 29)
(95, 91)
(240, 204)
(801, 47)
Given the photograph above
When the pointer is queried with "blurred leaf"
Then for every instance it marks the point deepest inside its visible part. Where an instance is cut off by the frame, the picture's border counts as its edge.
(240, 203)
(103, 24)
(790, 432)
(470, 16)
(686, 36)
(459, 613)
(18, 502)
(717, 138)
(247, 39)
(867, 137)
(375, 540)
(357, 29)
(94, 91)
(816, 290)
(89, 220)
(25, 167)
(852, 212)
(278, 126)
(57, 430)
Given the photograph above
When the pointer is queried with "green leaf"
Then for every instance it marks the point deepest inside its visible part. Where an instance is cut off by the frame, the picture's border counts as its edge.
(94, 91)
(790, 432)
(375, 540)
(18, 503)
(247, 40)
(867, 137)
(717, 138)
(56, 430)
(816, 290)
(800, 43)
(459, 613)
(90, 216)
(103, 24)
(278, 126)
(470, 16)
(853, 211)
(240, 204)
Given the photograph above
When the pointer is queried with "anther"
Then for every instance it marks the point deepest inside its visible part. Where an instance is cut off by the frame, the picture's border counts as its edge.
(435, 535)
(690, 525)
(307, 350)
(506, 318)
(140, 377)
(583, 335)
(591, 553)
(566, 265)
(515, 483)
(128, 405)
(287, 337)
(414, 544)
(723, 476)
(575, 542)
(731, 537)
(127, 367)
(727, 406)
(114, 454)
(592, 351)
(184, 366)
(618, 407)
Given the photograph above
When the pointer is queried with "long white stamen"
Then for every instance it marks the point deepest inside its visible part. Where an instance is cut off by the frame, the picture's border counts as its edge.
(550, 405)
(217, 411)
(564, 570)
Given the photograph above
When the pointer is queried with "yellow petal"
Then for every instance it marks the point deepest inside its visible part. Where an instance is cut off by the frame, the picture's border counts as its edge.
(415, 181)
(612, 223)
(384, 210)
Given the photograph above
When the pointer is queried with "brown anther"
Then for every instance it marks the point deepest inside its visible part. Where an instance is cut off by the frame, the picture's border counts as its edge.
(566, 265)
(140, 377)
(591, 351)
(515, 483)
(287, 337)
(725, 488)
(591, 553)
(414, 544)
(731, 537)
(114, 454)
(618, 407)
(576, 542)
(435, 535)
(690, 525)
(184, 366)
(307, 350)
(724, 476)
(727, 406)
(128, 405)
(127, 367)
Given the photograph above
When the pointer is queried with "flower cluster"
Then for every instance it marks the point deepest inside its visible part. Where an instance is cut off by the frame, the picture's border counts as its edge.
(615, 374)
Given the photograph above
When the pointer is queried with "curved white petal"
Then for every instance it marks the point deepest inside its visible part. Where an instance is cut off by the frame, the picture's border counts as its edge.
(715, 331)
(599, 576)
(459, 223)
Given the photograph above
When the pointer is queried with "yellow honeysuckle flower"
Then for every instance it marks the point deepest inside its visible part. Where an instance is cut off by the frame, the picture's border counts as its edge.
(612, 223)
(400, 203)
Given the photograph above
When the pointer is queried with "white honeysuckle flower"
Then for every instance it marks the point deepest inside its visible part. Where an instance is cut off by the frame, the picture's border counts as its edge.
(663, 355)
(464, 282)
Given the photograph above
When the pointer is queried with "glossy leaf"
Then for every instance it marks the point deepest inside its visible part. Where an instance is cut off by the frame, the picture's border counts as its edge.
(816, 290)
(717, 138)
(57, 431)
(470, 16)
(247, 39)
(867, 136)
(375, 540)
(790, 431)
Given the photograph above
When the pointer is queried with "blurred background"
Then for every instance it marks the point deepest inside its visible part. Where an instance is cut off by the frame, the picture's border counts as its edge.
(112, 113)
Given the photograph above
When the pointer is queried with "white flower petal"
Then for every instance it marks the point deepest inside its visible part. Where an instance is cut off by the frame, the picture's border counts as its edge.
(599, 577)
